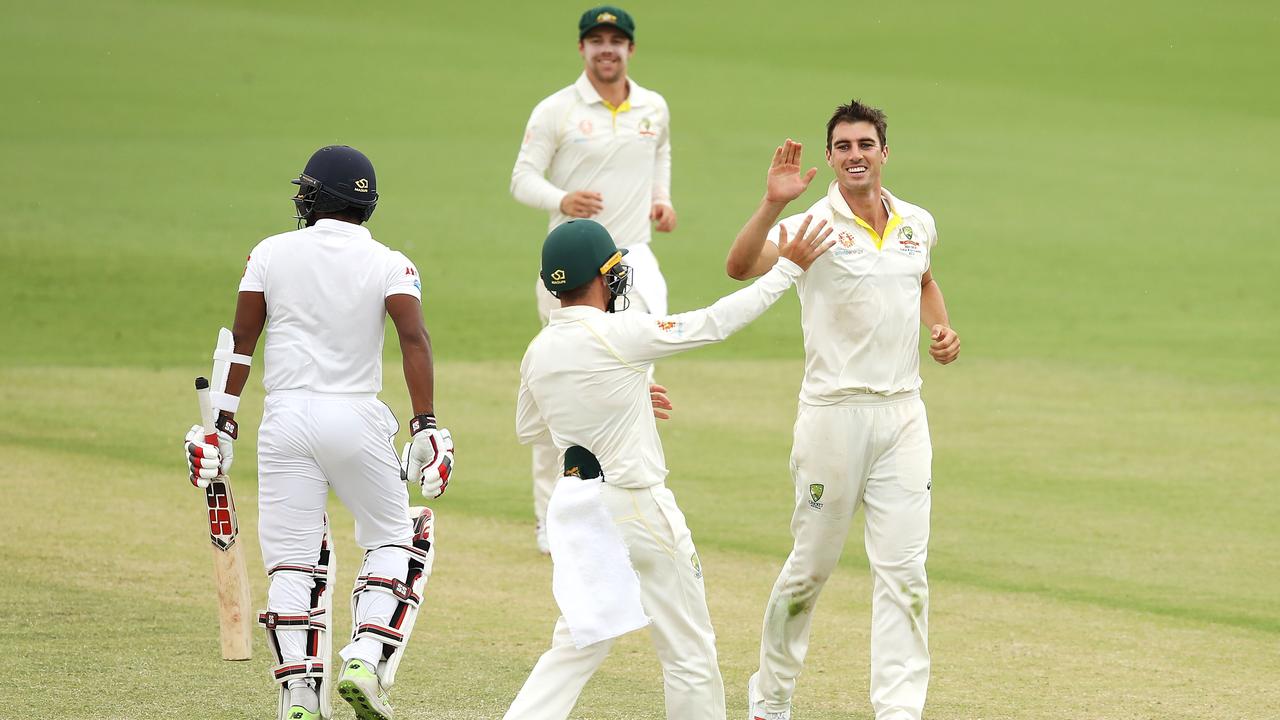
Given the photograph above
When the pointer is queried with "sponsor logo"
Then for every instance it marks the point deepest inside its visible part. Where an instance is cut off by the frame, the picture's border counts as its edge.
(815, 494)
(928, 485)
(666, 325)
(605, 17)
(362, 185)
(909, 247)
(528, 135)
(585, 126)
(410, 271)
(697, 566)
(557, 277)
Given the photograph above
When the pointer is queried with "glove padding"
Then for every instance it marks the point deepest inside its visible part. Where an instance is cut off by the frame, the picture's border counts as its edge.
(428, 461)
(206, 462)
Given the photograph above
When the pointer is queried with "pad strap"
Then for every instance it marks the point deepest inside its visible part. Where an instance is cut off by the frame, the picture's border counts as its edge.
(224, 401)
(381, 633)
(313, 620)
(398, 589)
(311, 667)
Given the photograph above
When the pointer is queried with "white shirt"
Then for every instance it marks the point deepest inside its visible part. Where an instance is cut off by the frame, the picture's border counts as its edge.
(326, 288)
(585, 377)
(860, 302)
(574, 141)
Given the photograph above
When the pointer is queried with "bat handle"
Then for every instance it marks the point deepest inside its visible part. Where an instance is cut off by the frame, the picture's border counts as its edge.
(207, 418)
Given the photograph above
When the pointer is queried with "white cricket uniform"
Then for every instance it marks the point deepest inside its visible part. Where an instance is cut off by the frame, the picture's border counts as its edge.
(323, 425)
(861, 438)
(584, 381)
(577, 141)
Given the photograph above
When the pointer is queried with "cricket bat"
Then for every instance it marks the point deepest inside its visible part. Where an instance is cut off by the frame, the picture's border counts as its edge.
(230, 577)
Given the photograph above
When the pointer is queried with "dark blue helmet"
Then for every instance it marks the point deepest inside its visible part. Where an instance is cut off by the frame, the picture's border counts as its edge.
(337, 178)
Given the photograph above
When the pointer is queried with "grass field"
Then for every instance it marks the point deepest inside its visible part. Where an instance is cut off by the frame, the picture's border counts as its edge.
(1105, 529)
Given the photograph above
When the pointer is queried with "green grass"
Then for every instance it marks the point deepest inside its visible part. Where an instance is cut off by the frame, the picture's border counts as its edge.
(1104, 528)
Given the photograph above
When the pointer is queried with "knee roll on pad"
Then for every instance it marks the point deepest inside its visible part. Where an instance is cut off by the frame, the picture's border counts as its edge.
(406, 590)
(314, 666)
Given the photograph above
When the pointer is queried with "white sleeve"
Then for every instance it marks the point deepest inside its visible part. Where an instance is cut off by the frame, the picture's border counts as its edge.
(662, 163)
(529, 183)
(402, 277)
(529, 423)
(792, 224)
(657, 336)
(255, 269)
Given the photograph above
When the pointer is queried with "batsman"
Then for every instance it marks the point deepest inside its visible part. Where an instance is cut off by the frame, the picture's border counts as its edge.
(323, 293)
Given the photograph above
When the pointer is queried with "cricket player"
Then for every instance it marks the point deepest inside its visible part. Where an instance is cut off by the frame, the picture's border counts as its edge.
(584, 384)
(601, 149)
(323, 292)
(861, 435)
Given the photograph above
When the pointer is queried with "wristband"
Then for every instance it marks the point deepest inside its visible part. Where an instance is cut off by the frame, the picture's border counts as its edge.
(228, 426)
(425, 421)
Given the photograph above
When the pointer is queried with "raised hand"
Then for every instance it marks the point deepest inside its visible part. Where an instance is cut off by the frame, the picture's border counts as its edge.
(785, 183)
(808, 245)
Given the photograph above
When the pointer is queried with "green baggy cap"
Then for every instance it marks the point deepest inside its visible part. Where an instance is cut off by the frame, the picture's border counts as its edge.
(610, 15)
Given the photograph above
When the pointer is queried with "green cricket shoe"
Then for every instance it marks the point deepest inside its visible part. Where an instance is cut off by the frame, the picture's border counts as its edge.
(297, 712)
(360, 687)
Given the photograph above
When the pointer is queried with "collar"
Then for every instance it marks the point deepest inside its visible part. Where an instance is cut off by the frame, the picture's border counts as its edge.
(840, 207)
(344, 228)
(636, 97)
(573, 313)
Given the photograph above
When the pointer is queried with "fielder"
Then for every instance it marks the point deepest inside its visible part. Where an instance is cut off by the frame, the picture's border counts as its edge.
(861, 435)
(584, 385)
(601, 149)
(323, 292)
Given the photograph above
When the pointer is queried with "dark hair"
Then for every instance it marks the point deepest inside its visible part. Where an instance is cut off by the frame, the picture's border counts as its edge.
(856, 112)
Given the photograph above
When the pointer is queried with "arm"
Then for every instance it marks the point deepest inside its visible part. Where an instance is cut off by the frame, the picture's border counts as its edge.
(751, 254)
(529, 423)
(251, 317)
(945, 345)
(662, 336)
(663, 213)
(529, 184)
(415, 349)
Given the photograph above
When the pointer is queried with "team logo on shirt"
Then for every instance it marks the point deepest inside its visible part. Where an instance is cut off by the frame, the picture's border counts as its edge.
(557, 277)
(362, 185)
(846, 239)
(906, 232)
(697, 566)
(585, 126)
(671, 326)
(646, 128)
(815, 494)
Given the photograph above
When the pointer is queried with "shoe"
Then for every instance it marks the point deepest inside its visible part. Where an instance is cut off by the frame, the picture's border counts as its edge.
(297, 712)
(540, 535)
(360, 687)
(755, 712)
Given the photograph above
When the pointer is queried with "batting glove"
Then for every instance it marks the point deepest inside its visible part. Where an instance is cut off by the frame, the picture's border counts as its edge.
(428, 457)
(206, 462)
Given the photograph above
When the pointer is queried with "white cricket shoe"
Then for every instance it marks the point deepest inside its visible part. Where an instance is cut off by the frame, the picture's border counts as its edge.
(540, 535)
(755, 712)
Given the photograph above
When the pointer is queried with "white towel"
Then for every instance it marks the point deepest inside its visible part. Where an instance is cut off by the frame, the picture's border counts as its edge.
(592, 579)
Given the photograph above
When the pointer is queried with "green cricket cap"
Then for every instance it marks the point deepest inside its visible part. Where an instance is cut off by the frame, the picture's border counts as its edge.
(576, 253)
(610, 15)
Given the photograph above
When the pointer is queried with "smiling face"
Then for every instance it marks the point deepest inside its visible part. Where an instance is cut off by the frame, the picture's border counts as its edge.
(857, 156)
(605, 52)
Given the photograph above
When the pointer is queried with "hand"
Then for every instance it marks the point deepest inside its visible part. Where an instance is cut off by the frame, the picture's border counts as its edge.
(428, 461)
(582, 203)
(661, 403)
(945, 347)
(808, 245)
(785, 183)
(207, 462)
(665, 217)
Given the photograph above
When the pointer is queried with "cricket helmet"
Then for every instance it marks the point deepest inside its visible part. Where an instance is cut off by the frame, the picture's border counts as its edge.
(579, 251)
(336, 178)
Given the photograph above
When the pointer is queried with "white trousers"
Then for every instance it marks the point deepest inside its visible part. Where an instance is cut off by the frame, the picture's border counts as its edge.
(648, 295)
(672, 594)
(309, 443)
(873, 452)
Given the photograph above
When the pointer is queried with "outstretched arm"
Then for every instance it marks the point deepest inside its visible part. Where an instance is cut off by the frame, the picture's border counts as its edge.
(415, 348)
(751, 254)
